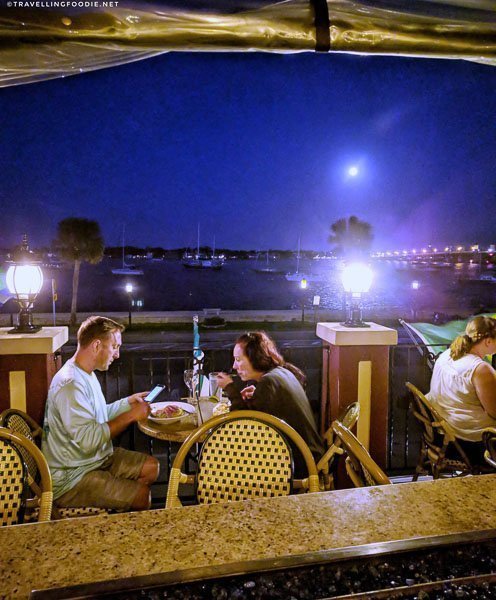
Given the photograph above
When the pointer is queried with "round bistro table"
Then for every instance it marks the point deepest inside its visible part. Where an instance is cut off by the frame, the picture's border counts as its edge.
(173, 432)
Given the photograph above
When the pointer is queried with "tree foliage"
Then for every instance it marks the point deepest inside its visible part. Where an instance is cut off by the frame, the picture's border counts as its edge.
(351, 237)
(79, 240)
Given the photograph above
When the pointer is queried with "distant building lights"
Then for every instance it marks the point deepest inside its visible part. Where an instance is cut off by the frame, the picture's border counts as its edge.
(434, 249)
(446, 249)
(415, 284)
(424, 251)
(460, 248)
(414, 251)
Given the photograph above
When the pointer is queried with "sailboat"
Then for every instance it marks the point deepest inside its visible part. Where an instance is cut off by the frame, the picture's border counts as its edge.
(126, 269)
(267, 270)
(299, 275)
(202, 261)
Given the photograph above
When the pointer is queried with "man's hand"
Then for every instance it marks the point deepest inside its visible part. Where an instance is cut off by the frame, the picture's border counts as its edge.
(139, 410)
(137, 398)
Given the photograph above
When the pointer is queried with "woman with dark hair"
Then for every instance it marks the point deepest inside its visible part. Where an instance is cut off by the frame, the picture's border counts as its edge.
(463, 385)
(277, 388)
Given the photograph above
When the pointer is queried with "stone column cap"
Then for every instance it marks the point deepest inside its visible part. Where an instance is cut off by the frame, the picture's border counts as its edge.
(374, 335)
(45, 341)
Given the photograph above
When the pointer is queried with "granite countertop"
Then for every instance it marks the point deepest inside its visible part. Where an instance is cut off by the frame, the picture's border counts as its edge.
(77, 551)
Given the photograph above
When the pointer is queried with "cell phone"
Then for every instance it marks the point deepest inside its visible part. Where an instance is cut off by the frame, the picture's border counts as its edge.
(154, 393)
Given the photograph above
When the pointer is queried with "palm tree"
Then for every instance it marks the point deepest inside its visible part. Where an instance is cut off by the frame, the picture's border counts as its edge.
(79, 240)
(351, 237)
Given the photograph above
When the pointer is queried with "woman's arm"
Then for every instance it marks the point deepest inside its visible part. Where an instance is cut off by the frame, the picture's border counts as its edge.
(484, 380)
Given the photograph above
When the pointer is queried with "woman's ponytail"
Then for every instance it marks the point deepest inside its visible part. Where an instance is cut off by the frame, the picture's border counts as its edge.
(477, 329)
(460, 346)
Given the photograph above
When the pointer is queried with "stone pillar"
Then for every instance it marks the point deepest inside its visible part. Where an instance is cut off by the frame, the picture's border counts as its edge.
(356, 368)
(27, 365)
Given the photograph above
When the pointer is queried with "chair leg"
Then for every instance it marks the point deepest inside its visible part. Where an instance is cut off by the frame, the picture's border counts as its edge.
(422, 460)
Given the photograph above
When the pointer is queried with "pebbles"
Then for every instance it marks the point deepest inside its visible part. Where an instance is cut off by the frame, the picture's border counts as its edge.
(350, 577)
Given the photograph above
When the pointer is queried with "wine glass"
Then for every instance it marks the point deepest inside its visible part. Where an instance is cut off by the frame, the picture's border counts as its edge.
(191, 381)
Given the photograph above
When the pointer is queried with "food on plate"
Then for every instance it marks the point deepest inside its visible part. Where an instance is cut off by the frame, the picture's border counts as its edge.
(171, 411)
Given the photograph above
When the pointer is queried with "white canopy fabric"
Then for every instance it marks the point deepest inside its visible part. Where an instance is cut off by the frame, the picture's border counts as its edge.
(41, 40)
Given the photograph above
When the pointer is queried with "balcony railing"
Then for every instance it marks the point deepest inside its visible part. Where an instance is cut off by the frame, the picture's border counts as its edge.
(141, 366)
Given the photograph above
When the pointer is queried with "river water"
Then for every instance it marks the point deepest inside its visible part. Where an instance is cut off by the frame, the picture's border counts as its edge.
(168, 285)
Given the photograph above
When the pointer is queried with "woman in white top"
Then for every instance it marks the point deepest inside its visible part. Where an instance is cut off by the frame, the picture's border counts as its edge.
(463, 385)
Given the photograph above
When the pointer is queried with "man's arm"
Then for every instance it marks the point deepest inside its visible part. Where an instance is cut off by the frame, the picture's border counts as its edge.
(484, 380)
(139, 410)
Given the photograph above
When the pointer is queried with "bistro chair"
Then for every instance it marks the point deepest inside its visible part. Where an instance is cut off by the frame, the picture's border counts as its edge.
(20, 422)
(360, 466)
(14, 479)
(328, 463)
(244, 454)
(437, 438)
(489, 441)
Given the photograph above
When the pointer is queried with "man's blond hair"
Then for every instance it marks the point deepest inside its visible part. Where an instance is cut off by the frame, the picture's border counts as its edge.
(96, 328)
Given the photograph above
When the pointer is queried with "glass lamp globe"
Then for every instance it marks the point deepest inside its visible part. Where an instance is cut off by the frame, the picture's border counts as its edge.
(357, 279)
(25, 280)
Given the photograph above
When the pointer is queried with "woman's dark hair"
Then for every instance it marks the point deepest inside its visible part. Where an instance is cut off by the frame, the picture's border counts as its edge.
(264, 356)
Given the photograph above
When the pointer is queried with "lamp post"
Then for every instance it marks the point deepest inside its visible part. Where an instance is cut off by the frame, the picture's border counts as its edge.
(356, 279)
(415, 285)
(129, 291)
(303, 287)
(24, 280)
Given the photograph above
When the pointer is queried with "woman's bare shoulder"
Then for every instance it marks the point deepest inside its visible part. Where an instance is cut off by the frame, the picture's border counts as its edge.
(484, 372)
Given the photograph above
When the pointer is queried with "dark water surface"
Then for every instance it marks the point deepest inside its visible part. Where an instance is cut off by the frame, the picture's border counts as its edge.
(168, 285)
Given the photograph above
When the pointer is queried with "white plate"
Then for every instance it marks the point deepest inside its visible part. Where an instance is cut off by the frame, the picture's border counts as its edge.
(188, 410)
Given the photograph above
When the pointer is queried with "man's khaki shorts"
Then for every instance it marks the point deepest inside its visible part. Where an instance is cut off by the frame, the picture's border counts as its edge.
(113, 485)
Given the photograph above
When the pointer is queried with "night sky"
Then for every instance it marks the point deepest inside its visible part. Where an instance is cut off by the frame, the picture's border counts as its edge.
(256, 148)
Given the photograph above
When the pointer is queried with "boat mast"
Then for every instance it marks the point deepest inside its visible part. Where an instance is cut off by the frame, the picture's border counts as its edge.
(123, 253)
(298, 255)
(198, 241)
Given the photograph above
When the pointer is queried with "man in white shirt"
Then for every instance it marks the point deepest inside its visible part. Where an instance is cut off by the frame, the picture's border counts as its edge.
(79, 426)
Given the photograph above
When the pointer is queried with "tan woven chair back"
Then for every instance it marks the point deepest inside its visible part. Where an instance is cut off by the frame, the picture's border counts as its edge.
(437, 436)
(327, 465)
(360, 466)
(13, 484)
(20, 422)
(350, 415)
(44, 499)
(245, 454)
(243, 459)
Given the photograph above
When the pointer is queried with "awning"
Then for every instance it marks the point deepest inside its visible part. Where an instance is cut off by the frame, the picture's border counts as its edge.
(439, 337)
(45, 39)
